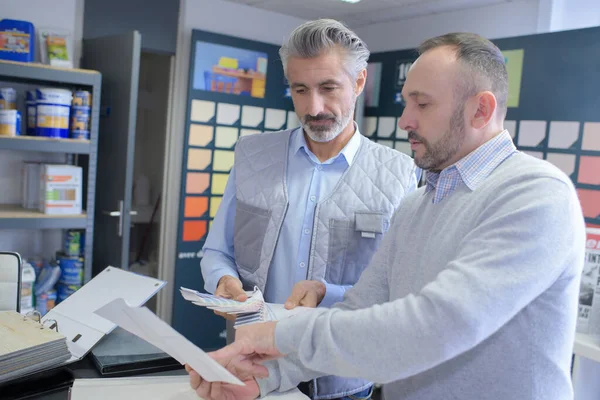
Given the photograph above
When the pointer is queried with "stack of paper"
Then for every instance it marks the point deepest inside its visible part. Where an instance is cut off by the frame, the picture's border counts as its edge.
(150, 388)
(26, 346)
(251, 311)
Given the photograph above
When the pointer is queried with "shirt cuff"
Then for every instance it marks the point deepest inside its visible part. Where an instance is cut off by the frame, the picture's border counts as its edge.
(333, 294)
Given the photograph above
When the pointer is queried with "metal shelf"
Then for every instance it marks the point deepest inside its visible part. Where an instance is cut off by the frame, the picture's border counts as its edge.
(33, 72)
(15, 217)
(47, 145)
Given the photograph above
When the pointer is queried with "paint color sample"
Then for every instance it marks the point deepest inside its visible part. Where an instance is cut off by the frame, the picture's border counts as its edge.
(536, 154)
(198, 159)
(196, 182)
(589, 170)
(591, 136)
(228, 114)
(292, 120)
(223, 160)
(218, 183)
(563, 134)
(202, 111)
(590, 202)
(275, 119)
(403, 147)
(194, 231)
(226, 137)
(386, 127)
(401, 134)
(511, 127)
(248, 132)
(531, 133)
(370, 126)
(215, 202)
(195, 207)
(252, 116)
(200, 135)
(388, 143)
(565, 162)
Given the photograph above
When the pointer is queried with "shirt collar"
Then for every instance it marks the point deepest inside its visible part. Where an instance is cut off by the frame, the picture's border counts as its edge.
(349, 151)
(479, 164)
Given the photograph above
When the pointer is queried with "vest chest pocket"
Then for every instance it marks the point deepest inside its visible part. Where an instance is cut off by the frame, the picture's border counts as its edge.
(352, 245)
(250, 228)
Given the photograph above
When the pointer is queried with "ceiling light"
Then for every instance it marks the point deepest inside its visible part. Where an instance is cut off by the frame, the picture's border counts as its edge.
(350, 1)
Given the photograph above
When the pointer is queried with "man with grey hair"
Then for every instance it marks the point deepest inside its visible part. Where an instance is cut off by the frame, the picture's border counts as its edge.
(305, 209)
(473, 293)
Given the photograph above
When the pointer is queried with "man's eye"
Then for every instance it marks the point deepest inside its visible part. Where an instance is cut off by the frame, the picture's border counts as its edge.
(423, 105)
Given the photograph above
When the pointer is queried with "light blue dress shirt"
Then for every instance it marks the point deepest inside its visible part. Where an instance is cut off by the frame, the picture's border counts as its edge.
(308, 181)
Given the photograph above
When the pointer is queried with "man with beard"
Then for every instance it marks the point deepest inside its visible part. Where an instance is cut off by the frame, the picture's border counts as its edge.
(473, 292)
(305, 209)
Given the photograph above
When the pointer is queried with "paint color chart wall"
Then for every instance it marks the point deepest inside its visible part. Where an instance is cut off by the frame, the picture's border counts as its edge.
(236, 88)
(554, 103)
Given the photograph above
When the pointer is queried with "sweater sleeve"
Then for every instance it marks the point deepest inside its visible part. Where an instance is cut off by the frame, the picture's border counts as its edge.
(495, 274)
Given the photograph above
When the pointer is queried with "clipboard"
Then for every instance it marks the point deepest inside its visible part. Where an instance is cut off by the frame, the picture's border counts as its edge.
(75, 318)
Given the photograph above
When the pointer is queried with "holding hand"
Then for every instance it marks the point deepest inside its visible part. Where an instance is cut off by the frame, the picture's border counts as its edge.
(230, 287)
(306, 294)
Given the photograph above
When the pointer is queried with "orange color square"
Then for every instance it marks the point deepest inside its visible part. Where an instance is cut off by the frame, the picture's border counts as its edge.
(195, 206)
(194, 231)
(589, 170)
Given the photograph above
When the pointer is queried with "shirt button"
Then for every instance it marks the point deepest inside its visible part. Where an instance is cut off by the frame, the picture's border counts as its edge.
(306, 231)
(302, 265)
(320, 167)
(313, 198)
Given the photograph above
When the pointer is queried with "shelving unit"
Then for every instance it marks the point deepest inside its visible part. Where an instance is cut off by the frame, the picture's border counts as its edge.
(15, 217)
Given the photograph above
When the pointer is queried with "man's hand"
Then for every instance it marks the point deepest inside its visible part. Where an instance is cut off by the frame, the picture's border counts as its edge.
(230, 287)
(223, 391)
(307, 294)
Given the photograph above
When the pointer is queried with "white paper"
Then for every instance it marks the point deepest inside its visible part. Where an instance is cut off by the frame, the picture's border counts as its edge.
(150, 388)
(145, 324)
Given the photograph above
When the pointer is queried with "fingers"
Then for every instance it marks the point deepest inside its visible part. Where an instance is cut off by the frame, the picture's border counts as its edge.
(310, 299)
(231, 288)
(229, 317)
(298, 293)
(195, 379)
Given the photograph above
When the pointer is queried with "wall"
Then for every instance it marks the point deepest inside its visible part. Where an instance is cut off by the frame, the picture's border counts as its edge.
(62, 14)
(220, 17)
(574, 14)
(156, 20)
(519, 17)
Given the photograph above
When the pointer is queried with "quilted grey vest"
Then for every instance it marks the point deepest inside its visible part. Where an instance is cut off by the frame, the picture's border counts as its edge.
(348, 225)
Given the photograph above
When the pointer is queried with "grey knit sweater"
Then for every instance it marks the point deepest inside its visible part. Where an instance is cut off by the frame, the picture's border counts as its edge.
(471, 298)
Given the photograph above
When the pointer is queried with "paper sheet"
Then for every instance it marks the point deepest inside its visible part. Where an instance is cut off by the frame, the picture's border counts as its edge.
(145, 324)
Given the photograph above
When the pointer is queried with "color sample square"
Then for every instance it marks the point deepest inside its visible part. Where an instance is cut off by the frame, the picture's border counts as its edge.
(401, 134)
(215, 202)
(275, 119)
(386, 127)
(563, 134)
(252, 116)
(226, 137)
(565, 162)
(199, 159)
(591, 136)
(219, 181)
(228, 114)
(194, 231)
(536, 154)
(292, 120)
(195, 207)
(202, 111)
(589, 170)
(511, 127)
(248, 132)
(196, 182)
(388, 143)
(403, 147)
(369, 126)
(590, 202)
(223, 160)
(531, 133)
(200, 135)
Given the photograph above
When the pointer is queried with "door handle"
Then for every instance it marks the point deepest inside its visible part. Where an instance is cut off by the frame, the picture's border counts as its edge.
(119, 213)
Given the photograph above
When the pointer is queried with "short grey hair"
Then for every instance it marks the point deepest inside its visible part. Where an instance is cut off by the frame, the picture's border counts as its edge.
(483, 61)
(312, 38)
